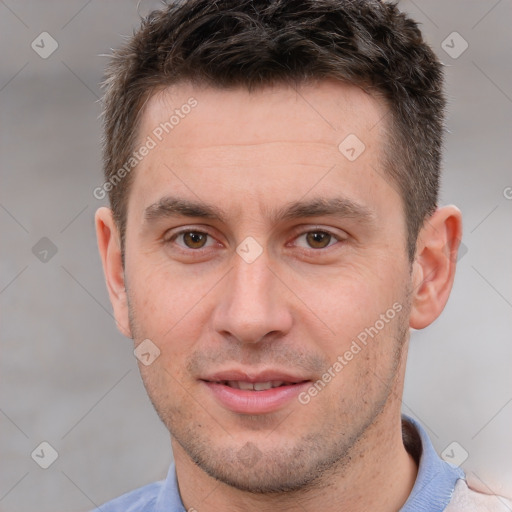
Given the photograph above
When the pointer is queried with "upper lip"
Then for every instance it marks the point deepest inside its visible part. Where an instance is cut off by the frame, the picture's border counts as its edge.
(253, 376)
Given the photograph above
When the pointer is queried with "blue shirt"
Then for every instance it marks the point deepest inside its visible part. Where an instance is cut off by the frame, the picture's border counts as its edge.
(432, 490)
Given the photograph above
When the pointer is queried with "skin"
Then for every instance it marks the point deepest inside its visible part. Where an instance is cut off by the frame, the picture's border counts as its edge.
(296, 308)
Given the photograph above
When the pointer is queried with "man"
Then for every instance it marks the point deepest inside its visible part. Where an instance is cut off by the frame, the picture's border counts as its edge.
(273, 171)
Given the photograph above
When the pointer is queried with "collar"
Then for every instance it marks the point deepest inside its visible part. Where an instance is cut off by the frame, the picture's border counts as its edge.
(169, 499)
(436, 478)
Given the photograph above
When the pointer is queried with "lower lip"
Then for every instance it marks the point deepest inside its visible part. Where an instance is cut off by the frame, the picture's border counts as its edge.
(255, 402)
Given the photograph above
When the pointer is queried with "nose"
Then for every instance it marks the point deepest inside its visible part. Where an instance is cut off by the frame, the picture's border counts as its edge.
(253, 305)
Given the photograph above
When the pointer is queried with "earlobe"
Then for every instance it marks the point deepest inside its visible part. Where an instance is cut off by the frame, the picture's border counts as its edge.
(434, 265)
(110, 252)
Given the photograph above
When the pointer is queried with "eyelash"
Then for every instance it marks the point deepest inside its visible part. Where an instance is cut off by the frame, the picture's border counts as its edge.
(174, 236)
(183, 232)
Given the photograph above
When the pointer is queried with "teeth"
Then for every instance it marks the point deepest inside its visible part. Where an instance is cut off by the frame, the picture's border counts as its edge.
(245, 385)
(262, 386)
(255, 386)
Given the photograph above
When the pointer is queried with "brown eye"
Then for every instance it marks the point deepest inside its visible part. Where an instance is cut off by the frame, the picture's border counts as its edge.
(318, 239)
(194, 239)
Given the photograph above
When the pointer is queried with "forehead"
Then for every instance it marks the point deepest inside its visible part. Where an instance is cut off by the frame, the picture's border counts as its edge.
(275, 143)
(320, 111)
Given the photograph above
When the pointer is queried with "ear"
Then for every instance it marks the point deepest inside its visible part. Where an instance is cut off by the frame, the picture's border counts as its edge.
(110, 253)
(434, 265)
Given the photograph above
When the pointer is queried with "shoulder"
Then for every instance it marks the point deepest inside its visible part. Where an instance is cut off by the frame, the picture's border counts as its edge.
(468, 496)
(139, 500)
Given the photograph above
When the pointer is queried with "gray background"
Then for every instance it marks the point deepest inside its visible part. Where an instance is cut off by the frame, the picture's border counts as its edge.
(68, 377)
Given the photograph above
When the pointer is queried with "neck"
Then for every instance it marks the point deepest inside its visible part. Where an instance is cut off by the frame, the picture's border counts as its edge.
(380, 475)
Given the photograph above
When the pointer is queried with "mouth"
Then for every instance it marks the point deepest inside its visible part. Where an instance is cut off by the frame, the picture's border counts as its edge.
(256, 386)
(260, 393)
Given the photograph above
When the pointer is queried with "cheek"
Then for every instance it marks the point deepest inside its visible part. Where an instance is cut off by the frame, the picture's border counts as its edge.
(366, 311)
(167, 390)
(356, 298)
(169, 307)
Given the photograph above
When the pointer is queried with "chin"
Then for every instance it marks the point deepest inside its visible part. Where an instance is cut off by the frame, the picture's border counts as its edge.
(265, 477)
(271, 470)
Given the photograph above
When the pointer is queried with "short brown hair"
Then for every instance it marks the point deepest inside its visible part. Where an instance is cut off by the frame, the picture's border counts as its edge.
(255, 43)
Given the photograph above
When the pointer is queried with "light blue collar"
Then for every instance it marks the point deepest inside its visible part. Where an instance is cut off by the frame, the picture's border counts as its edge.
(436, 478)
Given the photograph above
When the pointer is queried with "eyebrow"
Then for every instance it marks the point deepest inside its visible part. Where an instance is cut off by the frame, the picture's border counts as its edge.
(176, 206)
(170, 206)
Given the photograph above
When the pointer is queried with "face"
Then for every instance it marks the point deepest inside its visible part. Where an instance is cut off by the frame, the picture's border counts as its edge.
(266, 259)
